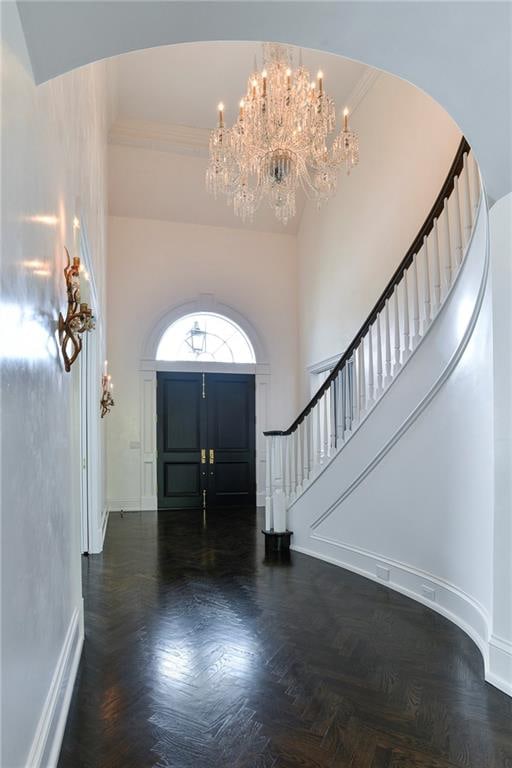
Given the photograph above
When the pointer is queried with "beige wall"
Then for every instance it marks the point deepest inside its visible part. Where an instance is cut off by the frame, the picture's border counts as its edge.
(155, 266)
(348, 250)
(53, 168)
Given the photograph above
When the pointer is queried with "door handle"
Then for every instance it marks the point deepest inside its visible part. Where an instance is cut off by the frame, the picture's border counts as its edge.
(203, 455)
(212, 456)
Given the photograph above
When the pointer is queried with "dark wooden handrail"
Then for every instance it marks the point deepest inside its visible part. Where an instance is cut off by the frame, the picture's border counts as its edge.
(428, 225)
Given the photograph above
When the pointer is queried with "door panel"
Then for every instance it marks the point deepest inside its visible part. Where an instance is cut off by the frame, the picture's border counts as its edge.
(214, 414)
(232, 437)
(181, 435)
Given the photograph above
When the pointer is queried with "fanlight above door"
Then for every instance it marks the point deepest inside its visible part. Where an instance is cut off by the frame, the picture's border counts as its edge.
(205, 337)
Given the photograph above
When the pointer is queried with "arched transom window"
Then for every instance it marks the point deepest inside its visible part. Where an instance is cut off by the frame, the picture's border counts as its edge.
(205, 337)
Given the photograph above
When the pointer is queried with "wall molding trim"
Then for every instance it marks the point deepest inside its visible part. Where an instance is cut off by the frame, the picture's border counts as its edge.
(164, 137)
(45, 749)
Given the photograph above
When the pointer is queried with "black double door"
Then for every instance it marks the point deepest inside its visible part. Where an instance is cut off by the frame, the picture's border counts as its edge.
(205, 440)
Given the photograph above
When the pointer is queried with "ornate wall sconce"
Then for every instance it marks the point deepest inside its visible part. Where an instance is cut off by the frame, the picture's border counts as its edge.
(107, 401)
(79, 318)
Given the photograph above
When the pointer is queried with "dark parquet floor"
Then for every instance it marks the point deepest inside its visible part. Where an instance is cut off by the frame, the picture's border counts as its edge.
(198, 654)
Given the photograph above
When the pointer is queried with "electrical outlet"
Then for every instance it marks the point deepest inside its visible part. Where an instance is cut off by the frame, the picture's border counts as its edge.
(134, 444)
(428, 592)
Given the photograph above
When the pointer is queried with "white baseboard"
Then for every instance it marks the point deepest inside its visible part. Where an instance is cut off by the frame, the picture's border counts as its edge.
(45, 749)
(449, 601)
(499, 672)
(126, 505)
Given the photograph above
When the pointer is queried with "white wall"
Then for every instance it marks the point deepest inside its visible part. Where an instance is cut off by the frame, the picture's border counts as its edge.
(154, 266)
(53, 152)
(501, 273)
(349, 249)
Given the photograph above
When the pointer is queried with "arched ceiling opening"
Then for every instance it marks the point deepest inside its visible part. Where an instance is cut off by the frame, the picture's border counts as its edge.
(458, 52)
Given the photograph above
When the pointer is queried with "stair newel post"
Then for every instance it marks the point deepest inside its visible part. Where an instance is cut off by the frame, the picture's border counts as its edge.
(407, 340)
(279, 497)
(415, 304)
(269, 522)
(459, 249)
(396, 332)
(427, 316)
(468, 223)
(447, 260)
(371, 372)
(436, 269)
(380, 372)
(387, 340)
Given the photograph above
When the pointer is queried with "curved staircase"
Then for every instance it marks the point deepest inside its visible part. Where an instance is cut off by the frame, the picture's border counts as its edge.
(386, 472)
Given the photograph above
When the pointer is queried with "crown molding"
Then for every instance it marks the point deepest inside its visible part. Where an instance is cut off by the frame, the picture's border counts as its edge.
(167, 137)
(187, 140)
(361, 89)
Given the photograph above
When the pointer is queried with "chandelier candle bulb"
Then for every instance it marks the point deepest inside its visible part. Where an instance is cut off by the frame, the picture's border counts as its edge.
(320, 78)
(264, 77)
(345, 119)
(221, 115)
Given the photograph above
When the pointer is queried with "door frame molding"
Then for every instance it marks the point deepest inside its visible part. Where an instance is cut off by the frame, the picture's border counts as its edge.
(149, 366)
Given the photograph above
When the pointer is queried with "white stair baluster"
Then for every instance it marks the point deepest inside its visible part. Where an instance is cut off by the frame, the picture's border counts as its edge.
(299, 463)
(396, 331)
(447, 260)
(318, 436)
(415, 304)
(436, 269)
(371, 375)
(468, 219)
(305, 454)
(427, 316)
(326, 436)
(332, 416)
(475, 176)
(387, 339)
(380, 372)
(407, 342)
(362, 380)
(342, 410)
(459, 225)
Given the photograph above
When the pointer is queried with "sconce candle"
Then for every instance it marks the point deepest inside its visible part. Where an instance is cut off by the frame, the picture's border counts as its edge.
(79, 317)
(107, 401)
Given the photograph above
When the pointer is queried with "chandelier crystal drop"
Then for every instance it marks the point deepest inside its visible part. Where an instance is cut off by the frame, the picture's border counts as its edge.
(283, 139)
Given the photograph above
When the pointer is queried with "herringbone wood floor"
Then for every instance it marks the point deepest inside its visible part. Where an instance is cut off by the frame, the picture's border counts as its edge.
(198, 654)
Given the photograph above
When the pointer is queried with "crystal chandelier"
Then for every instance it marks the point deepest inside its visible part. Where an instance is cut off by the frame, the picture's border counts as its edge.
(283, 139)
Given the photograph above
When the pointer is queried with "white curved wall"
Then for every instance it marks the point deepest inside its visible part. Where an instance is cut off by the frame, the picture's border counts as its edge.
(349, 248)
(412, 491)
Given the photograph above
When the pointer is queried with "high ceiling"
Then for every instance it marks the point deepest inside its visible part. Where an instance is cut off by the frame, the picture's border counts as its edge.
(163, 102)
(182, 84)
